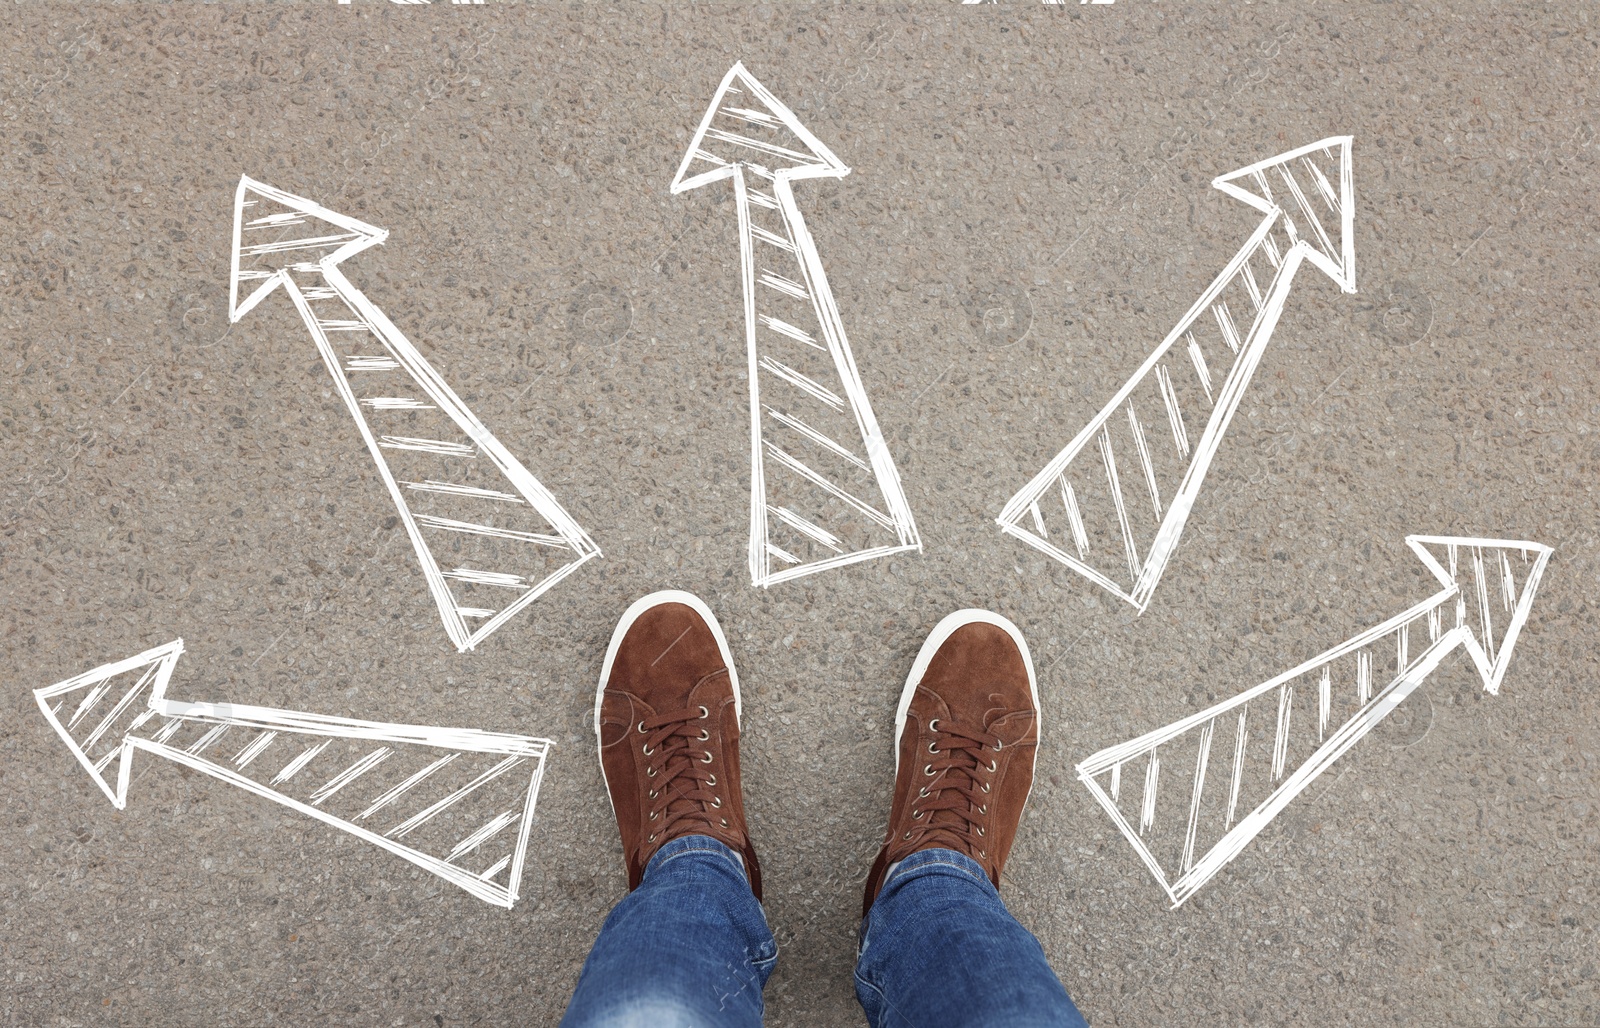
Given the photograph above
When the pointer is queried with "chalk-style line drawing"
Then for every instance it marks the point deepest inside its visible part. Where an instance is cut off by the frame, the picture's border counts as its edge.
(1112, 505)
(482, 525)
(1199, 773)
(458, 803)
(812, 487)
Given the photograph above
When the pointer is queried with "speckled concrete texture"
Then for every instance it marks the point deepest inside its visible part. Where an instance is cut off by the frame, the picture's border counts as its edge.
(1029, 213)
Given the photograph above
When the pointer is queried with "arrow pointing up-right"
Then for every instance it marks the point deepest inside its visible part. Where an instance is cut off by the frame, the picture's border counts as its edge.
(1113, 503)
(1191, 795)
(1284, 185)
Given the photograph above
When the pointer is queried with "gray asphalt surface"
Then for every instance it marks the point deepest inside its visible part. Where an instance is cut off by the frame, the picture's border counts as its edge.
(1029, 214)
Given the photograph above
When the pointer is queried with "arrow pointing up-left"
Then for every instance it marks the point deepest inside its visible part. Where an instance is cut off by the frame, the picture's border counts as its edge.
(483, 527)
(456, 802)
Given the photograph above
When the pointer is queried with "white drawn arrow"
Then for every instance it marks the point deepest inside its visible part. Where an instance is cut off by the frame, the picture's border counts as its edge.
(482, 525)
(1200, 772)
(1112, 505)
(456, 802)
(823, 488)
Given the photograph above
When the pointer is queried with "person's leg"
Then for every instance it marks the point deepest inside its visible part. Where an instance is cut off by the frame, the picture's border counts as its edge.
(689, 945)
(938, 947)
(689, 948)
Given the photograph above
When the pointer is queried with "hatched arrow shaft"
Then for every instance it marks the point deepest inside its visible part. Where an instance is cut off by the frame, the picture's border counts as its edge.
(450, 801)
(489, 537)
(365, 779)
(397, 382)
(827, 449)
(1211, 782)
(1118, 496)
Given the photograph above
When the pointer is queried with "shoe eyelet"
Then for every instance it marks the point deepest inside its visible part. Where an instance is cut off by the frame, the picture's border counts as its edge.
(933, 747)
(652, 794)
(906, 836)
(641, 728)
(651, 839)
(999, 744)
(711, 779)
(982, 855)
(650, 772)
(922, 793)
(704, 713)
(716, 801)
(986, 787)
(927, 769)
(707, 759)
(993, 765)
(933, 726)
(984, 809)
(981, 831)
(704, 735)
(654, 814)
(724, 822)
(916, 815)
(647, 751)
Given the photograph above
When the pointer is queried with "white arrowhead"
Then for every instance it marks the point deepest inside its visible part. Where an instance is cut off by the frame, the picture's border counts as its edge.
(1113, 503)
(1492, 606)
(93, 712)
(386, 784)
(774, 140)
(1187, 784)
(274, 231)
(1282, 183)
(489, 537)
(824, 490)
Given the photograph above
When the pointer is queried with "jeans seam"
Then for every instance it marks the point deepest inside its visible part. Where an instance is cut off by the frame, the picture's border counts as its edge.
(885, 1007)
(901, 871)
(670, 857)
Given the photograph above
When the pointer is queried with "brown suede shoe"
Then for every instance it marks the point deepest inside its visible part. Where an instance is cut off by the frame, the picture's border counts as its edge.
(965, 739)
(667, 717)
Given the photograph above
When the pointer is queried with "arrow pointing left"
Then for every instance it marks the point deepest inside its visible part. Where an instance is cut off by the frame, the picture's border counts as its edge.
(483, 527)
(456, 802)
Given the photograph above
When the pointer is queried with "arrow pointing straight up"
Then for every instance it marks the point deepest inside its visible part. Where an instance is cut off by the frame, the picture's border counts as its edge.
(491, 539)
(1113, 503)
(456, 802)
(1198, 774)
(824, 491)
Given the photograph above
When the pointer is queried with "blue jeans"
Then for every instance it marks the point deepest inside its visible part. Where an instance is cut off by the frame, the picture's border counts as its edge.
(690, 948)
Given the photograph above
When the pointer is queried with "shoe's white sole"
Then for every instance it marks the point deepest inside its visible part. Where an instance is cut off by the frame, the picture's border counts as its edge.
(936, 638)
(633, 614)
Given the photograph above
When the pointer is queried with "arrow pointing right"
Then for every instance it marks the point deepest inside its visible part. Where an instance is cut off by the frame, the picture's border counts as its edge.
(1309, 716)
(1117, 510)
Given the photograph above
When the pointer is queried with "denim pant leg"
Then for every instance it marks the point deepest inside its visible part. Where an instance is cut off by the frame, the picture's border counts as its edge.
(689, 948)
(940, 950)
